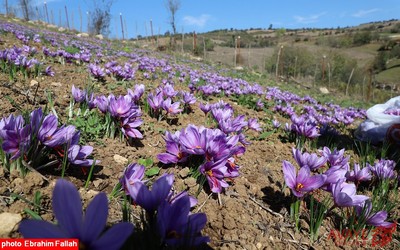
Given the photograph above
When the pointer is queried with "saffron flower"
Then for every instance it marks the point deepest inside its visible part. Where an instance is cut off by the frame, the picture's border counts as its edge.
(133, 173)
(155, 101)
(177, 227)
(375, 219)
(71, 223)
(344, 194)
(78, 94)
(120, 107)
(276, 124)
(205, 107)
(358, 175)
(77, 155)
(48, 71)
(384, 169)
(335, 158)
(304, 126)
(171, 108)
(302, 183)
(193, 140)
(174, 153)
(254, 125)
(150, 200)
(306, 159)
(215, 173)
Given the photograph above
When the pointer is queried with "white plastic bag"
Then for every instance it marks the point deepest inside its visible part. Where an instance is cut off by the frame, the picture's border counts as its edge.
(381, 119)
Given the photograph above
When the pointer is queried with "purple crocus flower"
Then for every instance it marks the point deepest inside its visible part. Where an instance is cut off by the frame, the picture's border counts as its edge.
(384, 169)
(188, 98)
(48, 71)
(102, 103)
(232, 169)
(259, 104)
(58, 137)
(150, 200)
(174, 152)
(71, 223)
(90, 100)
(97, 72)
(344, 194)
(171, 108)
(173, 155)
(276, 124)
(16, 142)
(336, 159)
(332, 175)
(306, 159)
(288, 127)
(302, 183)
(36, 118)
(215, 173)
(130, 125)
(52, 136)
(168, 91)
(253, 124)
(193, 140)
(304, 126)
(120, 107)
(155, 101)
(137, 93)
(375, 219)
(358, 175)
(48, 128)
(78, 95)
(133, 173)
(177, 227)
(77, 155)
(205, 107)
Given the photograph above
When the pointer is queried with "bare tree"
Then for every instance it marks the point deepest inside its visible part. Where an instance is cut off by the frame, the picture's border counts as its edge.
(6, 6)
(172, 7)
(26, 8)
(100, 17)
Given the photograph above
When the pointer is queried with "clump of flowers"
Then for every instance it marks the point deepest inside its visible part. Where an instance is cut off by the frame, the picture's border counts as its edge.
(210, 151)
(31, 141)
(169, 220)
(331, 172)
(162, 102)
(122, 113)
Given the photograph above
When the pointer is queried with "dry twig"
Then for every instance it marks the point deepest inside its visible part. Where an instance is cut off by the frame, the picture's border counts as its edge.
(202, 205)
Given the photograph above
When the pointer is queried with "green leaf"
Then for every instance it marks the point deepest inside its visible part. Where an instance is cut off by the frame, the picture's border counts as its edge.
(33, 214)
(152, 171)
(146, 162)
(265, 135)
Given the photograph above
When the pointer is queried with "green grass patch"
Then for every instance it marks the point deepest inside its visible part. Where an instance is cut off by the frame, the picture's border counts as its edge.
(389, 76)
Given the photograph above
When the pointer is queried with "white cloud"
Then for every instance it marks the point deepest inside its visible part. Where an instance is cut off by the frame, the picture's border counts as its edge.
(362, 13)
(197, 21)
(309, 19)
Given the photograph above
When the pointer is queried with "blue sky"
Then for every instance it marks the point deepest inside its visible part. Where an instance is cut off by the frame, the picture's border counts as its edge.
(207, 15)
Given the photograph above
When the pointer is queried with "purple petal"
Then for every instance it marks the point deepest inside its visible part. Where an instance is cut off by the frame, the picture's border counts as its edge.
(95, 218)
(40, 229)
(303, 175)
(167, 158)
(114, 237)
(289, 174)
(314, 182)
(67, 207)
